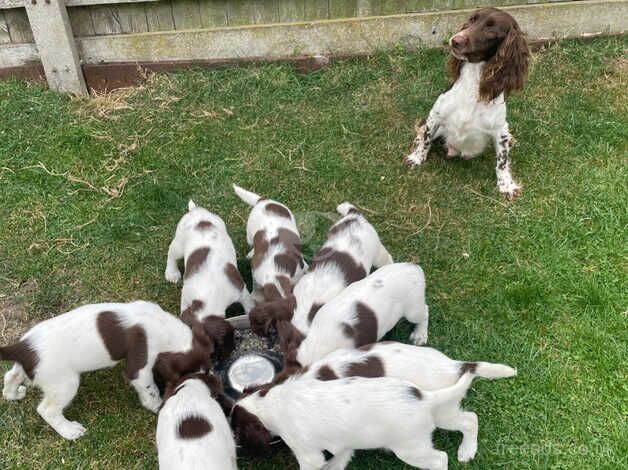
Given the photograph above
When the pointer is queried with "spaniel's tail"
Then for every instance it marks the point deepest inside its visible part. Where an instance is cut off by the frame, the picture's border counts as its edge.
(346, 207)
(247, 196)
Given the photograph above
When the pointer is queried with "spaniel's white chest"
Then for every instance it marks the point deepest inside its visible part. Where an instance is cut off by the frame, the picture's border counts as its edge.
(466, 123)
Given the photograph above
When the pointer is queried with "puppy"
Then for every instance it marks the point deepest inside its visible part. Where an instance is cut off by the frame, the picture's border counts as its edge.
(192, 431)
(54, 353)
(489, 59)
(342, 415)
(276, 259)
(426, 368)
(211, 281)
(352, 247)
(363, 313)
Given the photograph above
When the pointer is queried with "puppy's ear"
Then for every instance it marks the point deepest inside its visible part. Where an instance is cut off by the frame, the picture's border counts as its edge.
(250, 432)
(191, 205)
(222, 333)
(261, 319)
(289, 338)
(508, 68)
(166, 368)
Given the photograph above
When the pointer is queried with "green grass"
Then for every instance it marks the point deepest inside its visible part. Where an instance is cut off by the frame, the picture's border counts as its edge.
(90, 198)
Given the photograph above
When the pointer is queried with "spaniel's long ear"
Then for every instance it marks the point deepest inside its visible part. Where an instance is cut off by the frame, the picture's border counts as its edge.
(453, 68)
(508, 68)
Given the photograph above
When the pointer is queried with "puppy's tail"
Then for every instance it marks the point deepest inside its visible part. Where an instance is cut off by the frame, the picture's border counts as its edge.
(452, 394)
(19, 352)
(191, 205)
(488, 370)
(346, 207)
(247, 196)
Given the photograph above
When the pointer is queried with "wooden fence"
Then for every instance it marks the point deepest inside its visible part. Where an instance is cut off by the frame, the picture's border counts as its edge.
(105, 40)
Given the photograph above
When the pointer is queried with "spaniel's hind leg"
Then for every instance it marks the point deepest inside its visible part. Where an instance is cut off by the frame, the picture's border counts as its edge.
(13, 383)
(57, 396)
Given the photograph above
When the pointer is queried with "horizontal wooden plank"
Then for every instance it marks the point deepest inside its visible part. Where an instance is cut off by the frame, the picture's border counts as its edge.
(69, 3)
(18, 55)
(348, 37)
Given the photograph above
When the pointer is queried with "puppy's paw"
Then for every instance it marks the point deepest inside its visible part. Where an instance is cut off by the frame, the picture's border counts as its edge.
(173, 275)
(511, 193)
(71, 430)
(412, 161)
(467, 452)
(17, 394)
(152, 403)
(418, 338)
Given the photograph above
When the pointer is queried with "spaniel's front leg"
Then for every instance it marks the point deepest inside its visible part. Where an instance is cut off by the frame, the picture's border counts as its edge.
(426, 132)
(506, 184)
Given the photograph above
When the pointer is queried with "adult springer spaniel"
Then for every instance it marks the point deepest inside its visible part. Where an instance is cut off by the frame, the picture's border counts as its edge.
(489, 59)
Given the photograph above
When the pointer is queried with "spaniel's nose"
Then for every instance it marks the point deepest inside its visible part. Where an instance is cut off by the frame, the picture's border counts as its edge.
(458, 41)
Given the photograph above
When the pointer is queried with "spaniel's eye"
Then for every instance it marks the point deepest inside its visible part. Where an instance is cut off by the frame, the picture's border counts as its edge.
(490, 23)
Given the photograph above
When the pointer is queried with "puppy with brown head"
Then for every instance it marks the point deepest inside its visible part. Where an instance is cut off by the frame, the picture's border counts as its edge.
(53, 354)
(192, 430)
(211, 281)
(489, 60)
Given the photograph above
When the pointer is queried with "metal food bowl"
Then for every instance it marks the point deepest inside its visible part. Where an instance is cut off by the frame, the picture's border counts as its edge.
(254, 361)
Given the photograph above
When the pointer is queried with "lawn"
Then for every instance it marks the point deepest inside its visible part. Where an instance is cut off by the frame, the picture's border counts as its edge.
(91, 192)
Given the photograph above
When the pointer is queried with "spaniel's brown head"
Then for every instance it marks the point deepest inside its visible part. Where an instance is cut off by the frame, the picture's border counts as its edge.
(492, 36)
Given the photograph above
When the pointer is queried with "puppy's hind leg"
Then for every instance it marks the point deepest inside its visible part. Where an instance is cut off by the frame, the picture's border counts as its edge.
(13, 380)
(339, 461)
(419, 314)
(57, 396)
(422, 457)
(383, 257)
(175, 252)
(454, 419)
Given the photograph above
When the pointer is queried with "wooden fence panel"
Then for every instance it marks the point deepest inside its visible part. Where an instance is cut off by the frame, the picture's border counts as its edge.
(343, 8)
(18, 26)
(415, 6)
(213, 13)
(159, 16)
(4, 29)
(106, 20)
(316, 10)
(265, 11)
(291, 11)
(186, 14)
(81, 21)
(133, 18)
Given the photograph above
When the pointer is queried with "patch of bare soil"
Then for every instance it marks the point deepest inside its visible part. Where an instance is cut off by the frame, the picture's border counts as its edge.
(14, 311)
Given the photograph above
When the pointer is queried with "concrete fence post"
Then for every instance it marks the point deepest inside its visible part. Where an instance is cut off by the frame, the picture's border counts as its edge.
(57, 49)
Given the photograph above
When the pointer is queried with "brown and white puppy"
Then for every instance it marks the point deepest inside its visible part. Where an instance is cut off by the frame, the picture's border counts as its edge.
(276, 259)
(53, 354)
(342, 415)
(211, 281)
(363, 313)
(426, 368)
(192, 430)
(488, 60)
(352, 247)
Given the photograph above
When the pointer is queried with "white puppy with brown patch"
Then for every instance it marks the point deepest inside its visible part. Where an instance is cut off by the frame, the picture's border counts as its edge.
(54, 353)
(363, 313)
(211, 281)
(351, 248)
(343, 415)
(276, 258)
(426, 368)
(192, 430)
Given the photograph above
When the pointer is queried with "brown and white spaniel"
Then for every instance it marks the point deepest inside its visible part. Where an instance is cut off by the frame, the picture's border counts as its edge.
(488, 60)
